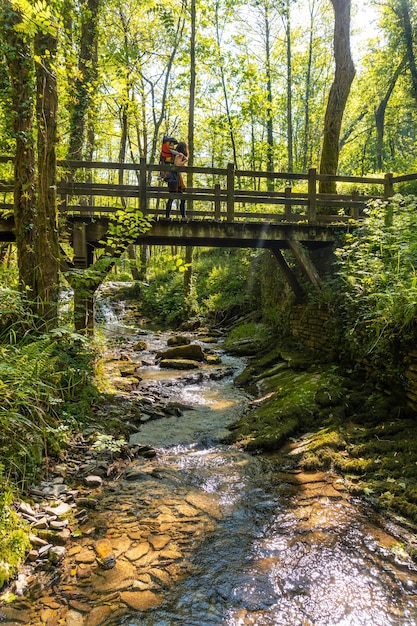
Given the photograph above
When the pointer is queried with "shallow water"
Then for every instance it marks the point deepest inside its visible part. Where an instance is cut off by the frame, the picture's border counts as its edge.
(288, 549)
(214, 536)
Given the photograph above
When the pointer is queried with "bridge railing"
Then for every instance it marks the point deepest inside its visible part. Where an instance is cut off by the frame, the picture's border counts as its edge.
(89, 188)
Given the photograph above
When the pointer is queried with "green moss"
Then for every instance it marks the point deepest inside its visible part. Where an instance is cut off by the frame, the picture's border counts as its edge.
(14, 539)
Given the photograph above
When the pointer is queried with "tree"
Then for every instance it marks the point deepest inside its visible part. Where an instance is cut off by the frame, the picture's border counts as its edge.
(19, 59)
(339, 92)
(47, 243)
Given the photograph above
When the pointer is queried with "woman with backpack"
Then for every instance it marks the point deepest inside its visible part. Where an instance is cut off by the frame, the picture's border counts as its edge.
(175, 179)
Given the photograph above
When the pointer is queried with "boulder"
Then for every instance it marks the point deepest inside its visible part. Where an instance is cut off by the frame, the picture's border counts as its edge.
(179, 364)
(178, 340)
(192, 351)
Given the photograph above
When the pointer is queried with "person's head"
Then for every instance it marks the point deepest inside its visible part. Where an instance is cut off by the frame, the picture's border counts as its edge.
(183, 148)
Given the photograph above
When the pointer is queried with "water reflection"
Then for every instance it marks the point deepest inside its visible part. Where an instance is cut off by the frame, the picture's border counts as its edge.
(275, 559)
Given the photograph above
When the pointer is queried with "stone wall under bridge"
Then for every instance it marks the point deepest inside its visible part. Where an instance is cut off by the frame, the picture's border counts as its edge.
(317, 330)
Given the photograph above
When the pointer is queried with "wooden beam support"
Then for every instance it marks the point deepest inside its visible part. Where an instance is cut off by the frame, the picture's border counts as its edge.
(305, 263)
(288, 274)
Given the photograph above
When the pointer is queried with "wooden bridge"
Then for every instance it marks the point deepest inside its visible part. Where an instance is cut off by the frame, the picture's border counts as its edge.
(225, 207)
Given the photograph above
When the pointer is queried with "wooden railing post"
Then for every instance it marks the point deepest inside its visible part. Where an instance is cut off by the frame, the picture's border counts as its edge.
(142, 186)
(312, 194)
(354, 211)
(217, 202)
(230, 192)
(388, 186)
(288, 205)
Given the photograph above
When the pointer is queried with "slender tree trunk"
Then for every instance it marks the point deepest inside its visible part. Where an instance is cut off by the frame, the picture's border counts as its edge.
(191, 107)
(225, 92)
(339, 92)
(270, 117)
(84, 86)
(380, 117)
(19, 61)
(409, 36)
(47, 218)
(289, 89)
(307, 93)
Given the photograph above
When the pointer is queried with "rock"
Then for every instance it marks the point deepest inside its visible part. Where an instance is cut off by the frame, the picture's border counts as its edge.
(213, 359)
(24, 507)
(179, 364)
(99, 615)
(12, 615)
(61, 510)
(89, 503)
(56, 554)
(37, 541)
(81, 607)
(93, 481)
(178, 340)
(73, 618)
(58, 524)
(205, 502)
(141, 600)
(43, 551)
(119, 578)
(159, 541)
(193, 352)
(140, 345)
(104, 553)
(138, 551)
(41, 523)
(86, 555)
(32, 555)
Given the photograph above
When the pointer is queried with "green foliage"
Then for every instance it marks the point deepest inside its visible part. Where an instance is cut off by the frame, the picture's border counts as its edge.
(14, 538)
(45, 385)
(163, 297)
(378, 272)
(124, 227)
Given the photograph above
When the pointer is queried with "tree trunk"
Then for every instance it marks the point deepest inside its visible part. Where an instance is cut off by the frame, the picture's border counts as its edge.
(269, 118)
(47, 268)
(380, 117)
(289, 89)
(339, 92)
(308, 87)
(84, 86)
(20, 66)
(404, 13)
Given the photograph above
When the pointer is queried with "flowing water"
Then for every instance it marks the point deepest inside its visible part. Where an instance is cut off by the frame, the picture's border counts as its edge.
(288, 548)
(243, 540)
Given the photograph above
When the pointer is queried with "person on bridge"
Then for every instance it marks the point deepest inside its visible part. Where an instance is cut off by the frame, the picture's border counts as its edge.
(175, 179)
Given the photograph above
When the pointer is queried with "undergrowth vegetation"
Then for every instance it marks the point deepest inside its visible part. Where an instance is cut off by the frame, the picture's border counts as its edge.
(220, 288)
(378, 282)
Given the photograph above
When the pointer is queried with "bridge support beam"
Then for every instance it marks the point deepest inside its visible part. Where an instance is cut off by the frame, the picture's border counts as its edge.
(305, 263)
(288, 274)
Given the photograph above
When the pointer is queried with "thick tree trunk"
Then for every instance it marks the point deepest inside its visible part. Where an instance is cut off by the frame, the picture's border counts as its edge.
(339, 92)
(20, 66)
(47, 248)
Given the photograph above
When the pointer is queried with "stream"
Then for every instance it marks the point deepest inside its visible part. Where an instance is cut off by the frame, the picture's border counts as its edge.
(204, 534)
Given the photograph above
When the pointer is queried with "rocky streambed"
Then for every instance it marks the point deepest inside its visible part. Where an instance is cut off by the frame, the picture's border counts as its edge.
(161, 523)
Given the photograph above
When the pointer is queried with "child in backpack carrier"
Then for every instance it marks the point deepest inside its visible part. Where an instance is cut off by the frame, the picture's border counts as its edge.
(168, 153)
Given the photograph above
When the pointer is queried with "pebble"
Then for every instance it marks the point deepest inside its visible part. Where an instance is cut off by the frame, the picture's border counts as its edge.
(93, 481)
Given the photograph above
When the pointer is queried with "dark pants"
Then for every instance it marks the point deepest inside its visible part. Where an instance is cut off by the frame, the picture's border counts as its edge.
(169, 207)
(173, 181)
